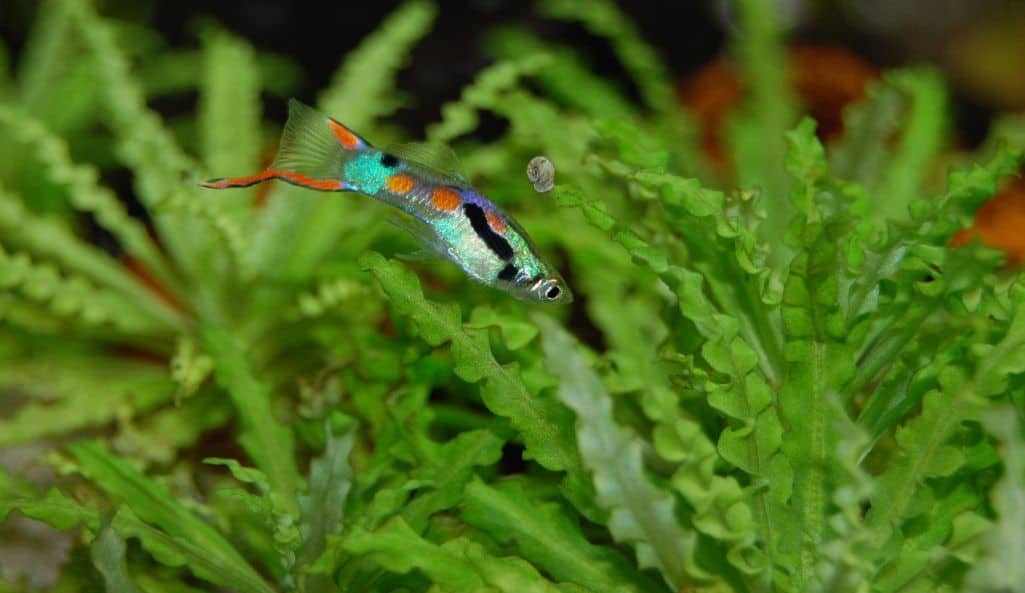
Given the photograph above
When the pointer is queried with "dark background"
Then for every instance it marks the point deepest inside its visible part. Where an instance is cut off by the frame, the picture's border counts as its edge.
(688, 34)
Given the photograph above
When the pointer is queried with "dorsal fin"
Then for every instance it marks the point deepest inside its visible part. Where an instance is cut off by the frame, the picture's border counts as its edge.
(437, 157)
(313, 144)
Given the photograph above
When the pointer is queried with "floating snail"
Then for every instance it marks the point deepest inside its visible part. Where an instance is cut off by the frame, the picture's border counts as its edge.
(541, 172)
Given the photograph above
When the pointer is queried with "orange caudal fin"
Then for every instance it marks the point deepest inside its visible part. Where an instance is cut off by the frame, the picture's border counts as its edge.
(288, 176)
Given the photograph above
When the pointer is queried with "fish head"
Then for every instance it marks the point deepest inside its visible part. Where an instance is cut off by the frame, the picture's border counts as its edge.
(549, 288)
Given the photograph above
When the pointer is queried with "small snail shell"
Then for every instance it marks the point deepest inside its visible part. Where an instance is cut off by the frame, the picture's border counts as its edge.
(541, 172)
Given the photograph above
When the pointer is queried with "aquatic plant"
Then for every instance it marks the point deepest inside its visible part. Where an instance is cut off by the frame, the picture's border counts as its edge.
(781, 380)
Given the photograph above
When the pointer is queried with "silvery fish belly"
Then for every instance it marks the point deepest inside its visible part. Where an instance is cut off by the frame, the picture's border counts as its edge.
(450, 218)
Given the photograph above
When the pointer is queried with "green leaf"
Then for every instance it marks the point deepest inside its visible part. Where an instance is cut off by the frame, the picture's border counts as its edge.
(449, 470)
(460, 117)
(73, 298)
(229, 108)
(543, 424)
(267, 506)
(604, 18)
(516, 333)
(550, 538)
(756, 132)
(84, 192)
(189, 367)
(925, 451)
(919, 143)
(1000, 569)
(398, 548)
(230, 134)
(565, 76)
(54, 509)
(108, 556)
(640, 513)
(181, 551)
(144, 143)
(507, 573)
(269, 443)
(861, 154)
(150, 501)
(322, 507)
(361, 88)
(89, 391)
(205, 562)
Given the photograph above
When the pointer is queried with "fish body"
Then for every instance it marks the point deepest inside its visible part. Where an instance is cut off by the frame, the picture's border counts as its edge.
(452, 219)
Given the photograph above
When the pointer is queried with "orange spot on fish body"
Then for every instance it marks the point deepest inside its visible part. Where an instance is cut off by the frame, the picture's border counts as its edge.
(400, 184)
(497, 224)
(445, 199)
(346, 138)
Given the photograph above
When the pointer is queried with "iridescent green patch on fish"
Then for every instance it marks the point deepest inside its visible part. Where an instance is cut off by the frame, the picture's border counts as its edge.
(451, 219)
(366, 174)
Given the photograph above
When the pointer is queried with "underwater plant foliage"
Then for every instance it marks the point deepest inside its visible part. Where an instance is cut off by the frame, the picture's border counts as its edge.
(780, 378)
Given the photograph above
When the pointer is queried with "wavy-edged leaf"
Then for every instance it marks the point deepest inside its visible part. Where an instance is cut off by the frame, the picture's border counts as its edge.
(267, 506)
(819, 359)
(922, 134)
(53, 508)
(565, 76)
(229, 108)
(108, 556)
(189, 542)
(544, 425)
(458, 565)
(640, 513)
(516, 333)
(753, 441)
(150, 500)
(925, 451)
(270, 444)
(450, 469)
(549, 538)
(756, 131)
(604, 18)
(360, 91)
(180, 551)
(50, 238)
(72, 300)
(398, 548)
(84, 191)
(161, 167)
(89, 391)
(322, 507)
(1001, 569)
(460, 117)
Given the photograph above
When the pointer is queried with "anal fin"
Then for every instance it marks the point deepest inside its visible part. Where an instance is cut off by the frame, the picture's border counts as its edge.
(432, 246)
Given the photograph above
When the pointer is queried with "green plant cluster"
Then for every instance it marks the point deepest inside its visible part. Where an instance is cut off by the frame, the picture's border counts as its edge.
(780, 379)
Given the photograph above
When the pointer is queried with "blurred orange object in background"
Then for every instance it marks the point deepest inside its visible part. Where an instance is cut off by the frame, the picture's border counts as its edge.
(1000, 222)
(826, 78)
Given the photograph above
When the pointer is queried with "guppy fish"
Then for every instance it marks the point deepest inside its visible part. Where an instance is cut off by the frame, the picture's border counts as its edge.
(450, 217)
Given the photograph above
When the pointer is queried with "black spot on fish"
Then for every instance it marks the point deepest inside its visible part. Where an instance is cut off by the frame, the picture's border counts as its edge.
(389, 160)
(508, 272)
(479, 222)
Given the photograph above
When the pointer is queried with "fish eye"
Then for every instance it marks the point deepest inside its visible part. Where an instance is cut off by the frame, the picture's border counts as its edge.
(553, 292)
